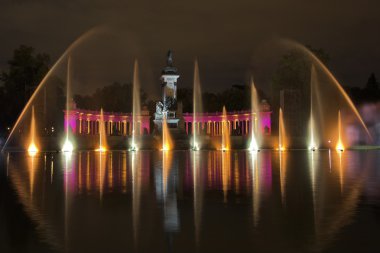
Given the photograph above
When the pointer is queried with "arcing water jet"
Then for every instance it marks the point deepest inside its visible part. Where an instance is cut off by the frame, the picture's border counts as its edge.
(334, 80)
(47, 76)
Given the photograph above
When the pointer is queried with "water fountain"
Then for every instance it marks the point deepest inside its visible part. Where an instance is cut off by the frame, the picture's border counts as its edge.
(316, 128)
(317, 64)
(312, 145)
(49, 74)
(197, 106)
(102, 134)
(254, 118)
(167, 142)
(136, 110)
(226, 144)
(68, 146)
(32, 149)
(339, 145)
(281, 132)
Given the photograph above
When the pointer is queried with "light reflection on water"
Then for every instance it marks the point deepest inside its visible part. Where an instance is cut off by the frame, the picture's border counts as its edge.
(190, 201)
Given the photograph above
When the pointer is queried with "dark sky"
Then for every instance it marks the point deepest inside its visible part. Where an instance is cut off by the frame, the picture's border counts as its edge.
(230, 38)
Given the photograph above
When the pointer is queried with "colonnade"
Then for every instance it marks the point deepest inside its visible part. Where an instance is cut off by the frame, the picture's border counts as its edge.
(215, 128)
(88, 123)
(111, 127)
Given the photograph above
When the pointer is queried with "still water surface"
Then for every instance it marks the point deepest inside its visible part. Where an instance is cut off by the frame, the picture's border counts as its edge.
(205, 201)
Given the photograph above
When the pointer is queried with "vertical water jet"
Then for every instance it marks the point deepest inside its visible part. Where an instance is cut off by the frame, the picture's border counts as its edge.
(68, 146)
(312, 145)
(31, 100)
(102, 133)
(136, 107)
(254, 118)
(225, 131)
(339, 145)
(167, 143)
(281, 132)
(328, 73)
(32, 149)
(197, 106)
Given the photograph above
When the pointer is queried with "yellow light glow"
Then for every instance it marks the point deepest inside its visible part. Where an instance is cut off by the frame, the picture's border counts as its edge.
(195, 146)
(253, 146)
(67, 147)
(313, 147)
(101, 149)
(339, 147)
(32, 149)
(134, 148)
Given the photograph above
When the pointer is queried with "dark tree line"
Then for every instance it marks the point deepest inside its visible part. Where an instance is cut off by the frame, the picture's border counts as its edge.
(24, 72)
(116, 97)
(236, 98)
(369, 93)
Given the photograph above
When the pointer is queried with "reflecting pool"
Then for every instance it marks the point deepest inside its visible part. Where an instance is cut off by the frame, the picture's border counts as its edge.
(190, 201)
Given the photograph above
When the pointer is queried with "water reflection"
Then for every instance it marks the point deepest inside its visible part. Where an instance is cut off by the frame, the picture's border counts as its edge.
(198, 201)
(197, 194)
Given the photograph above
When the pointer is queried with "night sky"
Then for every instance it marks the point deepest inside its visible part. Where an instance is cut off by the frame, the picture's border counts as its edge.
(230, 38)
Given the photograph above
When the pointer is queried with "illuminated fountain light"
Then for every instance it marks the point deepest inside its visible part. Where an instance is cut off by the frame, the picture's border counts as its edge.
(197, 106)
(67, 146)
(166, 139)
(312, 145)
(253, 146)
(195, 146)
(136, 110)
(43, 82)
(102, 134)
(225, 132)
(133, 147)
(32, 149)
(339, 146)
(319, 65)
(281, 132)
(101, 149)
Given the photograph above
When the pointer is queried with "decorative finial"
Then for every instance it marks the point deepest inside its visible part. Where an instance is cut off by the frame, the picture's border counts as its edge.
(169, 59)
